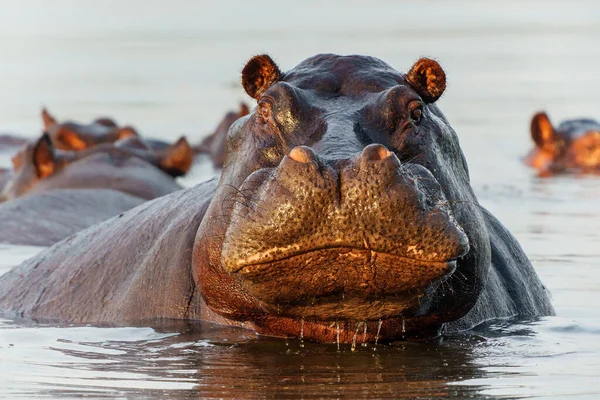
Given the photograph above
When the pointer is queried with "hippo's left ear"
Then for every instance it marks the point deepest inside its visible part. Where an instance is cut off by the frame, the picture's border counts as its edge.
(43, 157)
(178, 158)
(259, 74)
(428, 78)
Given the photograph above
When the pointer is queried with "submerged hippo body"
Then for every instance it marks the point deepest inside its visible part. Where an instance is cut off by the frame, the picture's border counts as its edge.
(344, 206)
(571, 147)
(39, 167)
(45, 218)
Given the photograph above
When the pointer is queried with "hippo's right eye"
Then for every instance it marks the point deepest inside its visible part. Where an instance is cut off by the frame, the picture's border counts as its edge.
(264, 111)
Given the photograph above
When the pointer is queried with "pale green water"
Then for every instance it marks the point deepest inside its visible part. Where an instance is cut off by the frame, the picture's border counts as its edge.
(172, 68)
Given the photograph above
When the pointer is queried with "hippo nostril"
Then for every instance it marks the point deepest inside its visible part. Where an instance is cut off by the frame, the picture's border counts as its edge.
(376, 152)
(302, 154)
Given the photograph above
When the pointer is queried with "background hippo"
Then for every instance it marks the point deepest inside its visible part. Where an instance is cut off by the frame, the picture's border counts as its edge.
(71, 135)
(344, 208)
(574, 146)
(40, 167)
(214, 144)
(42, 219)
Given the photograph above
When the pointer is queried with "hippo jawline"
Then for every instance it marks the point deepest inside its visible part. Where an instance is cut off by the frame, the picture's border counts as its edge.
(342, 283)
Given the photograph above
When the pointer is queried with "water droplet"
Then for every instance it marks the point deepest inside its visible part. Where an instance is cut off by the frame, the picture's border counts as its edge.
(403, 326)
(337, 335)
(302, 332)
(353, 348)
(378, 330)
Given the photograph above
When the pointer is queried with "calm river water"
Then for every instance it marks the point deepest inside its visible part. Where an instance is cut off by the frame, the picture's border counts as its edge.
(173, 67)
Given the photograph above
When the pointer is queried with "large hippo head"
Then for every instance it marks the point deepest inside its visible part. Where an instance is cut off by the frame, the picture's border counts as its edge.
(573, 146)
(344, 207)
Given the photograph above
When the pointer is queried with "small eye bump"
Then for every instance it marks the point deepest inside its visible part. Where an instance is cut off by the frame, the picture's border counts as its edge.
(264, 111)
(416, 114)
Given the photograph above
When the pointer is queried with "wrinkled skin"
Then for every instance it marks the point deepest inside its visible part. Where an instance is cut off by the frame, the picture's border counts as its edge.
(572, 147)
(39, 167)
(344, 208)
(214, 144)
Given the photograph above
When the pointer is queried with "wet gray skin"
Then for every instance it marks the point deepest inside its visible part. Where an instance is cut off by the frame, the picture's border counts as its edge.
(39, 167)
(344, 204)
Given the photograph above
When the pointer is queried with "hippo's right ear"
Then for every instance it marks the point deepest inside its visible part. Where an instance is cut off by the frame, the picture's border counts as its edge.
(259, 74)
(428, 78)
(127, 131)
(44, 159)
(178, 158)
(542, 131)
(48, 119)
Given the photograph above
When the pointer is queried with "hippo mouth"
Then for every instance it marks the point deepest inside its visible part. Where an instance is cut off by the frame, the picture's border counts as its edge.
(342, 283)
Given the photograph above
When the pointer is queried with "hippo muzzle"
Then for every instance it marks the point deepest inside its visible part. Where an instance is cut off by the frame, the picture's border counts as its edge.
(355, 239)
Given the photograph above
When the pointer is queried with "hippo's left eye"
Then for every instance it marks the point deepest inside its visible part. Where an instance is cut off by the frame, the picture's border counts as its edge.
(416, 111)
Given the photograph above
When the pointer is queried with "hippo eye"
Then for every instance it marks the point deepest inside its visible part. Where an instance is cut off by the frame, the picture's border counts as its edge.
(264, 110)
(416, 111)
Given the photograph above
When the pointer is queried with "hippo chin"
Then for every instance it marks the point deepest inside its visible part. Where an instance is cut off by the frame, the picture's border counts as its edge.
(344, 208)
(571, 147)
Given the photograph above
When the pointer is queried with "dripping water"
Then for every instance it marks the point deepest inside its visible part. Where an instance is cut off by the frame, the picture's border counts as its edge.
(403, 325)
(364, 342)
(337, 335)
(353, 348)
(378, 330)
(302, 333)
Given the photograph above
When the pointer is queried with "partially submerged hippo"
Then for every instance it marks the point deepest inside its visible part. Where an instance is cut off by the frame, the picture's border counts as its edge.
(40, 167)
(344, 210)
(42, 219)
(71, 135)
(175, 159)
(573, 146)
(214, 144)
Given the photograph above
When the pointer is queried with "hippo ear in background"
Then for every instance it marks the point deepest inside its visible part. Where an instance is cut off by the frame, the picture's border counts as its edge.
(542, 131)
(178, 158)
(244, 110)
(43, 157)
(108, 122)
(428, 78)
(259, 74)
(127, 131)
(70, 140)
(48, 119)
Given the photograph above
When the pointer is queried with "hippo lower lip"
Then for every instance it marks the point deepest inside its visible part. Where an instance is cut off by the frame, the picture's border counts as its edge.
(342, 282)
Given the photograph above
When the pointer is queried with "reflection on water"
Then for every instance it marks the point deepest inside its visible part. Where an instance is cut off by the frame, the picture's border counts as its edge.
(173, 67)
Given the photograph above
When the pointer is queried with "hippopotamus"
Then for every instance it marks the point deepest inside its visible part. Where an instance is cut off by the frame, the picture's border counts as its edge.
(71, 135)
(39, 167)
(214, 144)
(175, 159)
(344, 208)
(42, 219)
(573, 146)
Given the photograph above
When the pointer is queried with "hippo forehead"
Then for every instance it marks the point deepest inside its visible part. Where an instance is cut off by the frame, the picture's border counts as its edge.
(344, 75)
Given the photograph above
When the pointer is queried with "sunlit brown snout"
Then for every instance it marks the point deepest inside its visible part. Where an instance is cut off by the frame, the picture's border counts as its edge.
(370, 201)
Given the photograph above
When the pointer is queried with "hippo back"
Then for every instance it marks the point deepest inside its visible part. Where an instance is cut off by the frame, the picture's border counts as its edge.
(135, 266)
(112, 169)
(43, 219)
